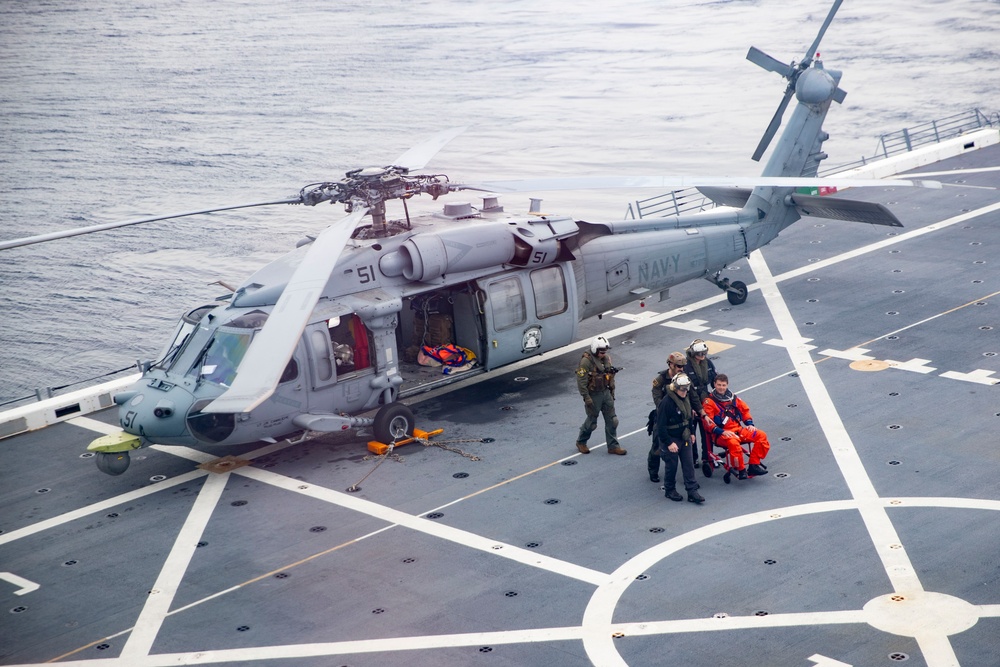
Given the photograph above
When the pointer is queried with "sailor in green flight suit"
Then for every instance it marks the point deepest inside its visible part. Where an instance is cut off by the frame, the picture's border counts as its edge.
(595, 378)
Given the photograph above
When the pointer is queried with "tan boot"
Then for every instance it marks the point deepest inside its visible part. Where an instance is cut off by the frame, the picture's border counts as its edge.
(617, 450)
(584, 449)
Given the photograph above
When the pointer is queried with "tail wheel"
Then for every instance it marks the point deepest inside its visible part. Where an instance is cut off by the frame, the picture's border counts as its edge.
(393, 422)
(737, 292)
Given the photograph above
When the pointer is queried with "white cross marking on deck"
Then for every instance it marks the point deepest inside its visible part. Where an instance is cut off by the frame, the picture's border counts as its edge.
(697, 326)
(979, 376)
(739, 334)
(637, 317)
(913, 365)
(25, 585)
(823, 661)
(850, 354)
(803, 342)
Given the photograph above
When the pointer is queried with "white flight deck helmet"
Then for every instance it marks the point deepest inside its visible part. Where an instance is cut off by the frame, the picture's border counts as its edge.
(599, 343)
(698, 346)
(681, 381)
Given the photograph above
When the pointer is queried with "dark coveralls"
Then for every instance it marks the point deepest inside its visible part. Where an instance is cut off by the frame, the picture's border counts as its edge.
(673, 425)
(596, 383)
(660, 383)
(702, 375)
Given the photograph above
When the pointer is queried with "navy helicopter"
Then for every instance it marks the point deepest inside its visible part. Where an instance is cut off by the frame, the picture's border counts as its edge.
(329, 332)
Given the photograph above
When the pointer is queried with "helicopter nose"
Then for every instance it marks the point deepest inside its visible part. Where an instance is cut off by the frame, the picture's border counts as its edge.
(157, 413)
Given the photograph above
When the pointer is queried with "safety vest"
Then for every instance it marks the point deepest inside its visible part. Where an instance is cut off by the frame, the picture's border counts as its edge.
(449, 355)
(728, 411)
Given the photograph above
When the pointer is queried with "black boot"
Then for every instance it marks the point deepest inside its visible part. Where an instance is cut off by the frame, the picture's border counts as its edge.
(653, 477)
(756, 470)
(673, 495)
(694, 497)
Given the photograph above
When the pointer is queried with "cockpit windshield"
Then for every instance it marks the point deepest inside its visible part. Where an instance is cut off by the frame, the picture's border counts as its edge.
(223, 357)
(181, 335)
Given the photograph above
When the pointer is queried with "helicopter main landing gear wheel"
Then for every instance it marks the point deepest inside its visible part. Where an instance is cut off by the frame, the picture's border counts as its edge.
(114, 463)
(393, 422)
(737, 292)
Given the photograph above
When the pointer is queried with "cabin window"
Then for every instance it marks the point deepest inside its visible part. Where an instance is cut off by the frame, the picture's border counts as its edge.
(351, 343)
(549, 288)
(507, 302)
(223, 357)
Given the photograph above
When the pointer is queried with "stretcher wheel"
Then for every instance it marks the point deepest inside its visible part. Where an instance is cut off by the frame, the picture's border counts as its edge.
(706, 468)
(728, 477)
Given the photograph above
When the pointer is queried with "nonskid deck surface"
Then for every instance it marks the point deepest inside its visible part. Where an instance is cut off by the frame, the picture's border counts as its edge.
(870, 357)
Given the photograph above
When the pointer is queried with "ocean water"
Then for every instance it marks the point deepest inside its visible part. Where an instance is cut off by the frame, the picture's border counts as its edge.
(119, 109)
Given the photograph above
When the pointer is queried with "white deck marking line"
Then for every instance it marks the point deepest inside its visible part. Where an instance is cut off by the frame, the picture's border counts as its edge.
(174, 567)
(989, 610)
(185, 453)
(897, 563)
(94, 425)
(937, 649)
(957, 172)
(791, 620)
(428, 527)
(99, 506)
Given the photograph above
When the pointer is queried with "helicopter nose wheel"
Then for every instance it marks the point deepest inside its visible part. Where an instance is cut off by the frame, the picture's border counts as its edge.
(737, 292)
(393, 422)
(114, 463)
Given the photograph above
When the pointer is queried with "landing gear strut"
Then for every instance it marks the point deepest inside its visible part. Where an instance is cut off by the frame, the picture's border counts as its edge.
(736, 291)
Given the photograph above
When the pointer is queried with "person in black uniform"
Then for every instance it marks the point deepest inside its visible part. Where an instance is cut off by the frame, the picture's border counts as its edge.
(674, 424)
(701, 371)
(675, 364)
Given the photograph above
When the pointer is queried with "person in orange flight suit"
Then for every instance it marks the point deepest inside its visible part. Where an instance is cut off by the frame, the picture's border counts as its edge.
(734, 425)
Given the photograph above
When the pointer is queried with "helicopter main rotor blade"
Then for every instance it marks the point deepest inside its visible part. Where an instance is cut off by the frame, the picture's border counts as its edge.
(811, 53)
(666, 182)
(272, 347)
(52, 236)
(418, 156)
